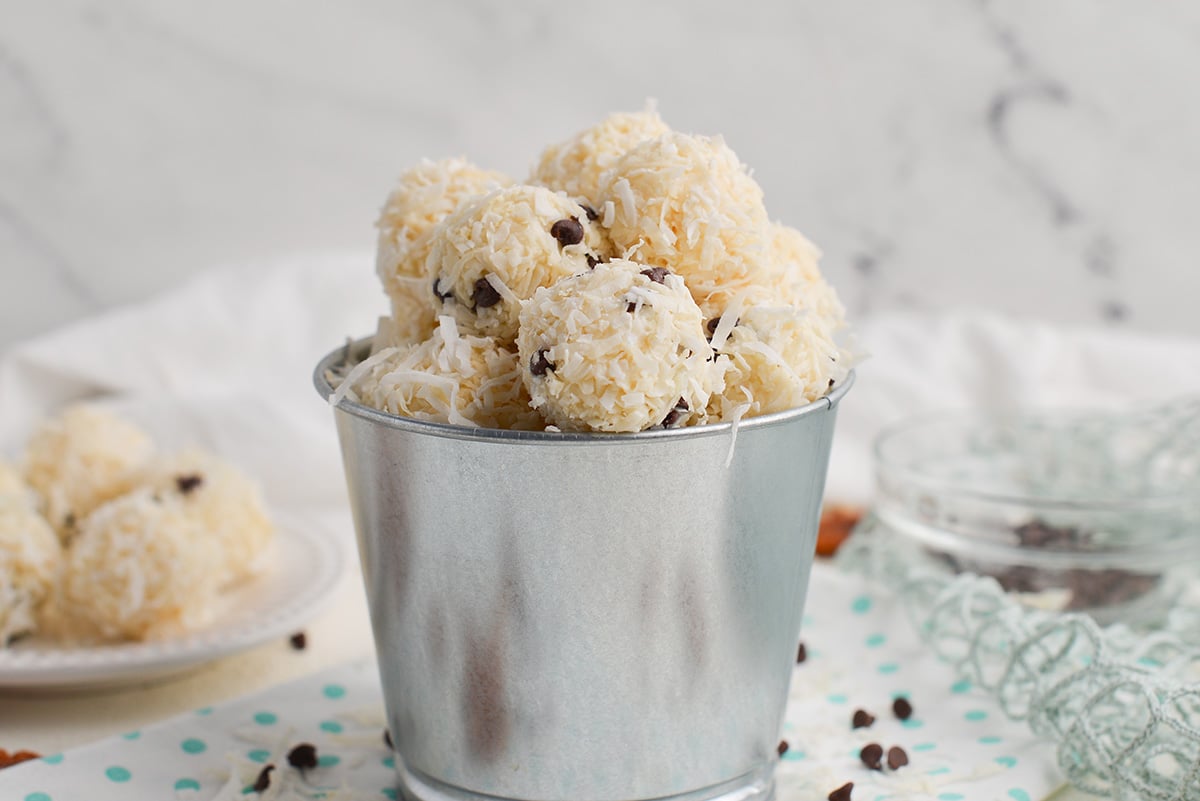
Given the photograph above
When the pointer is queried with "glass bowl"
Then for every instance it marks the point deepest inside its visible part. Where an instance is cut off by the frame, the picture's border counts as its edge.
(1070, 512)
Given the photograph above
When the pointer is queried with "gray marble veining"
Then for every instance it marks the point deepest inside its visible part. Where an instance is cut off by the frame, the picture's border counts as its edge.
(1041, 159)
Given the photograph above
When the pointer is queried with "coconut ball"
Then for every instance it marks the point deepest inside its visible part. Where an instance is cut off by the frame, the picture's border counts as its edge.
(423, 197)
(796, 277)
(449, 378)
(618, 348)
(686, 203)
(30, 555)
(777, 358)
(11, 482)
(225, 504)
(141, 567)
(492, 254)
(575, 166)
(80, 459)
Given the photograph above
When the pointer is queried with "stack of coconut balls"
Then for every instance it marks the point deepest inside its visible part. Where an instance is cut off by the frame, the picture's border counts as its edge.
(102, 539)
(635, 281)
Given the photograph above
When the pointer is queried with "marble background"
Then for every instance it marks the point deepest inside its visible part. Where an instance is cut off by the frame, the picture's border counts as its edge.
(1040, 159)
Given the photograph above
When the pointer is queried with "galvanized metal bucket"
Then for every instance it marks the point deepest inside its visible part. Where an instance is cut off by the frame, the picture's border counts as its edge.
(577, 616)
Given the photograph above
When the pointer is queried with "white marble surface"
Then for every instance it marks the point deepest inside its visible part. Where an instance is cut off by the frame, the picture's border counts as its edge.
(1036, 158)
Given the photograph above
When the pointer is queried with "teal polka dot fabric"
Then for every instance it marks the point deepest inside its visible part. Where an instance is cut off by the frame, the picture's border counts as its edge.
(861, 654)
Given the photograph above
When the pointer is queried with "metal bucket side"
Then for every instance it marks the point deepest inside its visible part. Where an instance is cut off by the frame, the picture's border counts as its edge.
(586, 616)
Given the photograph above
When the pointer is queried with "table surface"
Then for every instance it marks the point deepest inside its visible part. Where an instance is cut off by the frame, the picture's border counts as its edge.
(49, 722)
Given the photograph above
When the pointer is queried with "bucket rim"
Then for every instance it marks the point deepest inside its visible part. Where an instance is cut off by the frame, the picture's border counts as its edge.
(451, 431)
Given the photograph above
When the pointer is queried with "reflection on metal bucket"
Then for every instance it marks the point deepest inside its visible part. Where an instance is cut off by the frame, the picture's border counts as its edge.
(585, 616)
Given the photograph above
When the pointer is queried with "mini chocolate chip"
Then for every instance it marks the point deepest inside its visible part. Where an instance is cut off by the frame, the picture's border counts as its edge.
(673, 416)
(631, 307)
(485, 294)
(871, 754)
(303, 756)
(299, 640)
(831, 383)
(438, 293)
(801, 654)
(902, 708)
(592, 261)
(589, 211)
(567, 232)
(387, 740)
(711, 326)
(69, 520)
(783, 747)
(264, 779)
(539, 364)
(842, 793)
(189, 482)
(862, 719)
(897, 757)
(657, 274)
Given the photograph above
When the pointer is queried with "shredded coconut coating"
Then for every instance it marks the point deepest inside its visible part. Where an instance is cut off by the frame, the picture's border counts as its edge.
(422, 198)
(686, 203)
(615, 350)
(576, 165)
(79, 460)
(492, 254)
(450, 378)
(224, 502)
(30, 555)
(796, 277)
(777, 358)
(140, 568)
(11, 482)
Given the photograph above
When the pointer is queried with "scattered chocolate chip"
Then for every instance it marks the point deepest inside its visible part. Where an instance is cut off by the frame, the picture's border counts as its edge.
(485, 295)
(69, 520)
(783, 747)
(842, 793)
(831, 383)
(673, 416)
(264, 779)
(657, 274)
(592, 261)
(589, 211)
(896, 757)
(387, 739)
(631, 307)
(862, 719)
(299, 640)
(567, 232)
(303, 756)
(187, 484)
(438, 293)
(711, 326)
(801, 654)
(539, 364)
(902, 708)
(871, 754)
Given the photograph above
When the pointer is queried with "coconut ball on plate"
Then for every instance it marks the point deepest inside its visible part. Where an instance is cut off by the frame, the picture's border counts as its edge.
(80, 459)
(618, 348)
(576, 165)
(30, 555)
(11, 482)
(225, 504)
(449, 378)
(686, 203)
(775, 358)
(422, 198)
(490, 255)
(141, 567)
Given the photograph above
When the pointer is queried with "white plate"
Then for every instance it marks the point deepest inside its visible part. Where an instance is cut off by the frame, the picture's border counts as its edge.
(305, 571)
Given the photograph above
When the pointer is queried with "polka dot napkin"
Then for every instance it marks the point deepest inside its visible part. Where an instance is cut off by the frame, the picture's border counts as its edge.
(860, 655)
